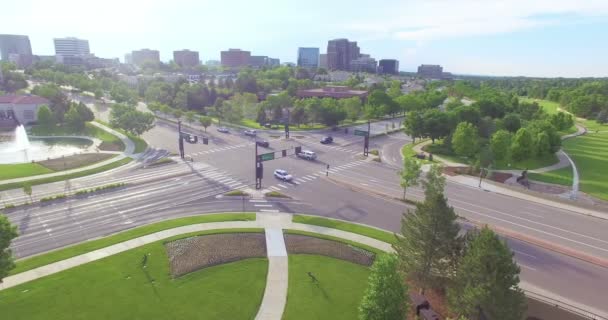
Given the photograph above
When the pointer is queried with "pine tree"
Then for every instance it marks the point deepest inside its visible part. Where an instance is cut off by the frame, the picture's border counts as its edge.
(429, 238)
(487, 280)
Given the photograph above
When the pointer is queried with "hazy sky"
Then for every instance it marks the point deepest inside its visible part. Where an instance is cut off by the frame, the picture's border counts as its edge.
(511, 37)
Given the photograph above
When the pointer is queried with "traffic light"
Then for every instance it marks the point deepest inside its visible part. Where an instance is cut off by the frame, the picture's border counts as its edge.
(298, 149)
(205, 140)
(284, 153)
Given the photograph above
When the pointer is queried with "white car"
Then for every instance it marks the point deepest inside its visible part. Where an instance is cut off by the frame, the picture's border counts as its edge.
(223, 129)
(282, 174)
(308, 155)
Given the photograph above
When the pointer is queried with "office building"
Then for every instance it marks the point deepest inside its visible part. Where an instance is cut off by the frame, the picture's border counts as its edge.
(17, 49)
(213, 63)
(272, 62)
(388, 66)
(308, 57)
(128, 58)
(430, 71)
(139, 57)
(340, 52)
(186, 58)
(258, 61)
(323, 61)
(235, 58)
(71, 47)
(365, 63)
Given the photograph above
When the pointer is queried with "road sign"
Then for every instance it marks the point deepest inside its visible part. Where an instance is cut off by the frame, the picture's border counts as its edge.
(361, 133)
(266, 156)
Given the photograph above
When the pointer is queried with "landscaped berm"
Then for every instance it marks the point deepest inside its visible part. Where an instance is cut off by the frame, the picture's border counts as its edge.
(138, 284)
(218, 274)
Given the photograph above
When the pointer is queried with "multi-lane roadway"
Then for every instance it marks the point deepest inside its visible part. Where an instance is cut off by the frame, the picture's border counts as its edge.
(353, 189)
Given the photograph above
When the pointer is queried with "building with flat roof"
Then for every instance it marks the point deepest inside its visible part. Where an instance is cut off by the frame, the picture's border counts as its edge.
(17, 49)
(258, 61)
(388, 66)
(186, 58)
(365, 63)
(308, 57)
(430, 71)
(139, 57)
(20, 109)
(336, 92)
(323, 61)
(235, 58)
(71, 47)
(274, 62)
(340, 52)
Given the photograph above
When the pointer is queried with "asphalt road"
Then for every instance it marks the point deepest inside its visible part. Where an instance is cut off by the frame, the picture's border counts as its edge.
(349, 193)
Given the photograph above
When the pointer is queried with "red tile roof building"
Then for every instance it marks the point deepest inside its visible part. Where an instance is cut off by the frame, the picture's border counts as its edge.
(336, 92)
(20, 108)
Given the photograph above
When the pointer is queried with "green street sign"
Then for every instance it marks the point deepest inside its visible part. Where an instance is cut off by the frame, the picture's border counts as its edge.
(361, 133)
(266, 156)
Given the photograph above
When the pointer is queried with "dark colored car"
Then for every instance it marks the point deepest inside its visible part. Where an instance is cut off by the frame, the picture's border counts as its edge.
(327, 140)
(263, 143)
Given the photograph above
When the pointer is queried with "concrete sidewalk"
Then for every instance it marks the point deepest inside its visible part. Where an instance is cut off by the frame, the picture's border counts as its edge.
(275, 295)
(129, 148)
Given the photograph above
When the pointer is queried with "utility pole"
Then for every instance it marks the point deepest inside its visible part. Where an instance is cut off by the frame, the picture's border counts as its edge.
(180, 139)
(366, 141)
(259, 169)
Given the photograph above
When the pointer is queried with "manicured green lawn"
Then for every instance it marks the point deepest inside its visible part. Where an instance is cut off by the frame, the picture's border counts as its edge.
(533, 163)
(18, 170)
(590, 154)
(115, 164)
(345, 226)
(337, 294)
(253, 124)
(561, 176)
(549, 106)
(61, 254)
(118, 287)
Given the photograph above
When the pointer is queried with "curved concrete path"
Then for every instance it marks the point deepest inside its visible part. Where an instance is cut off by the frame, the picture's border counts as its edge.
(129, 149)
(275, 294)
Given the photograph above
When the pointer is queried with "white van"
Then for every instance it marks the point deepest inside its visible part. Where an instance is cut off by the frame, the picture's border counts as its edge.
(307, 154)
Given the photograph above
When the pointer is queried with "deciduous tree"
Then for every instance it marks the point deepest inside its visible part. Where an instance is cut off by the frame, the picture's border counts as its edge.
(465, 140)
(8, 232)
(386, 294)
(410, 174)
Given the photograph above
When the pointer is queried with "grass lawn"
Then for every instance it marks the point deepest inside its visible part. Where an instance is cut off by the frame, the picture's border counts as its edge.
(118, 287)
(115, 164)
(18, 170)
(253, 124)
(68, 252)
(140, 144)
(345, 226)
(561, 176)
(590, 154)
(408, 151)
(549, 106)
(337, 294)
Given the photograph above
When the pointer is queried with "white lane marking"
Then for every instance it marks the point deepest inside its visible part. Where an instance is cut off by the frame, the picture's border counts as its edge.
(282, 186)
(262, 205)
(532, 221)
(269, 210)
(300, 180)
(365, 184)
(307, 179)
(235, 184)
(525, 266)
(311, 177)
(274, 188)
(532, 214)
(253, 200)
(524, 254)
(534, 229)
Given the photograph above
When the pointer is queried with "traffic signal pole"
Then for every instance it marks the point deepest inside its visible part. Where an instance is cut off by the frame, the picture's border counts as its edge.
(181, 139)
(259, 169)
(366, 140)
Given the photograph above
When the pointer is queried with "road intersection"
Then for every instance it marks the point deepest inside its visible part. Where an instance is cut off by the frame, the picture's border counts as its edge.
(353, 189)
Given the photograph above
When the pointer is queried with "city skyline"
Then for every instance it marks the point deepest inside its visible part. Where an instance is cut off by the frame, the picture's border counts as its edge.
(536, 38)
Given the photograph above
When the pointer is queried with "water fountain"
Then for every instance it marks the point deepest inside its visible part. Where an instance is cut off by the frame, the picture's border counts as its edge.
(21, 149)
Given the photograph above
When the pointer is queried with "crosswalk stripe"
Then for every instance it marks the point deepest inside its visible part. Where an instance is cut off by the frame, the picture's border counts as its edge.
(274, 188)
(300, 180)
(307, 179)
(282, 186)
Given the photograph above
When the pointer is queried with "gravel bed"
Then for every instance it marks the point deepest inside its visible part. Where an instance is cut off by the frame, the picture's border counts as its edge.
(191, 254)
(296, 243)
